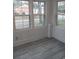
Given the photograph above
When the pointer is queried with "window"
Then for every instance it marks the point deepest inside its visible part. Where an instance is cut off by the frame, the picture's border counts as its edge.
(38, 13)
(28, 13)
(61, 13)
(21, 14)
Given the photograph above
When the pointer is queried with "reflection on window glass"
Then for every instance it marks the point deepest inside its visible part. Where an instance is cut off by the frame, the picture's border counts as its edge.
(61, 13)
(21, 7)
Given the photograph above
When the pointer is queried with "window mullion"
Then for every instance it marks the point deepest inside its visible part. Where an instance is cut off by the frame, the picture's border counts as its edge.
(31, 13)
(14, 27)
(22, 17)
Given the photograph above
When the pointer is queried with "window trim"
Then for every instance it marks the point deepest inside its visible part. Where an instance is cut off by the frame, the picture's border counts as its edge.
(14, 15)
(45, 14)
(57, 13)
(31, 16)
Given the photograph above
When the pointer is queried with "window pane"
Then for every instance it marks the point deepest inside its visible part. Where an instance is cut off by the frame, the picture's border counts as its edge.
(21, 22)
(18, 22)
(21, 7)
(38, 20)
(35, 8)
(61, 13)
(61, 7)
(26, 21)
(25, 7)
(42, 19)
(38, 11)
(41, 7)
(61, 20)
(38, 7)
(17, 7)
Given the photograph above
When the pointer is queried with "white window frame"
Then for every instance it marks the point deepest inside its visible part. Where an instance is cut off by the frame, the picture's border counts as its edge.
(40, 15)
(31, 16)
(57, 14)
(14, 15)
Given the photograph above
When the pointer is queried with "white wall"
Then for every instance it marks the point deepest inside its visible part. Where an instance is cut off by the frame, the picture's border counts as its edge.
(25, 36)
(57, 32)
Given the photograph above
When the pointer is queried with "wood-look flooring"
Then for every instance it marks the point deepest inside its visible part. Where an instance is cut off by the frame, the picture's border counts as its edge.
(41, 49)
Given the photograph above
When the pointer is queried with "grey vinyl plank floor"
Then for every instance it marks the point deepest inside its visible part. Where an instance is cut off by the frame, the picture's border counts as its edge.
(41, 49)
